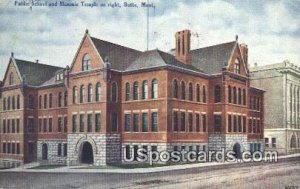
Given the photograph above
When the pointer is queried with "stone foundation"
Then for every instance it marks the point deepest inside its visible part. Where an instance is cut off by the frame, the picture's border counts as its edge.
(52, 156)
(10, 163)
(218, 141)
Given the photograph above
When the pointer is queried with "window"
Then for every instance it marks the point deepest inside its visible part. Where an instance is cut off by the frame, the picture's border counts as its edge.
(244, 97)
(234, 124)
(249, 125)
(234, 95)
(18, 148)
(40, 125)
(190, 122)
(45, 101)
(154, 89)
(145, 90)
(18, 102)
(267, 142)
(89, 122)
(114, 91)
(114, 122)
(127, 90)
(273, 142)
(8, 148)
(74, 123)
(82, 94)
(8, 103)
(65, 98)
(182, 128)
(59, 124)
(4, 126)
(197, 123)
(50, 124)
(218, 122)
(204, 95)
(204, 122)
(30, 102)
(217, 94)
(237, 67)
(240, 123)
(4, 103)
(8, 126)
(198, 93)
(145, 122)
(175, 120)
(75, 94)
(13, 105)
(154, 122)
(30, 147)
(135, 90)
(65, 149)
(18, 125)
(229, 123)
(65, 124)
(183, 90)
(4, 147)
(90, 93)
(127, 122)
(98, 92)
(258, 104)
(13, 129)
(244, 124)
(50, 101)
(254, 126)
(59, 99)
(30, 125)
(229, 94)
(98, 122)
(59, 149)
(86, 62)
(45, 125)
(40, 102)
(258, 126)
(293, 142)
(11, 79)
(136, 122)
(190, 91)
(81, 123)
(175, 89)
(239, 96)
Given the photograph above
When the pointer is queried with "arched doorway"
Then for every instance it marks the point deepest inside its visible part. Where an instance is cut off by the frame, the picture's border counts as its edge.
(44, 152)
(293, 141)
(87, 153)
(237, 150)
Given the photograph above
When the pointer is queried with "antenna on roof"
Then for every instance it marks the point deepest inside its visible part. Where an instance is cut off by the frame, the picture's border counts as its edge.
(12, 54)
(86, 31)
(236, 37)
(37, 61)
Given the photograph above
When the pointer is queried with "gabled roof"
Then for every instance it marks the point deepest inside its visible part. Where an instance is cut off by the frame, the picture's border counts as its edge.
(118, 56)
(35, 73)
(157, 58)
(213, 58)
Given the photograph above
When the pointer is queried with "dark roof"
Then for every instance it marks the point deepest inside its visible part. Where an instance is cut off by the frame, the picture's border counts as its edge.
(157, 58)
(118, 56)
(213, 58)
(35, 73)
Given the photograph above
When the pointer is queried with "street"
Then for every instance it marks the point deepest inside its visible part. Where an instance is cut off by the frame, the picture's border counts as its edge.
(267, 175)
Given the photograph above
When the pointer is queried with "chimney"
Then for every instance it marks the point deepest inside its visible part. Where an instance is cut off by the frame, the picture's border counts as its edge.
(183, 46)
(37, 61)
(244, 52)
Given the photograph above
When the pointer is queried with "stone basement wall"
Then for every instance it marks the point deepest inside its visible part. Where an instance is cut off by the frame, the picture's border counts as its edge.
(9, 163)
(218, 141)
(53, 157)
(106, 148)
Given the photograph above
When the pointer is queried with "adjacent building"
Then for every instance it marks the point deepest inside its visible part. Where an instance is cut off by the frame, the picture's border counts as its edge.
(282, 120)
(113, 98)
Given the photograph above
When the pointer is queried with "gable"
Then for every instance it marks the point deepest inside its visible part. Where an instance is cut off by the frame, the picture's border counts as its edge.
(11, 70)
(237, 57)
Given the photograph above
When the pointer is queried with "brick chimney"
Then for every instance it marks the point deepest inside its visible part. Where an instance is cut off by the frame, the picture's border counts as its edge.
(244, 52)
(183, 46)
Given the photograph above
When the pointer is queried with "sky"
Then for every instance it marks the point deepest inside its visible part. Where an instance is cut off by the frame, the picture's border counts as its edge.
(52, 34)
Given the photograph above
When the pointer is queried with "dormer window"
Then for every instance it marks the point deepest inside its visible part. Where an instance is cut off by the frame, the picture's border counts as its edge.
(86, 62)
(59, 76)
(11, 79)
(237, 67)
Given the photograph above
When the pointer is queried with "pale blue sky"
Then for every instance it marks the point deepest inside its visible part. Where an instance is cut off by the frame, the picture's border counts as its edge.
(52, 34)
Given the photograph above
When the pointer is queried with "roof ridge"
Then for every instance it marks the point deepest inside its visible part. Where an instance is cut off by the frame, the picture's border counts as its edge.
(214, 45)
(41, 64)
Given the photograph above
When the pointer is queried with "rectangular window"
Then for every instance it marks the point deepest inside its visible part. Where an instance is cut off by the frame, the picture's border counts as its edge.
(8, 126)
(65, 124)
(81, 123)
(218, 122)
(30, 123)
(127, 122)
(65, 150)
(234, 123)
(8, 148)
(98, 122)
(13, 129)
(59, 149)
(240, 123)
(249, 125)
(59, 124)
(114, 122)
(4, 147)
(74, 123)
(40, 125)
(4, 126)
(258, 126)
(45, 124)
(175, 120)
(18, 125)
(136, 122)
(244, 124)
(30, 148)
(197, 123)
(182, 128)
(18, 148)
(229, 123)
(273, 142)
(190, 122)
(145, 122)
(154, 122)
(267, 142)
(254, 126)
(50, 124)
(13, 148)
(89, 122)
(204, 123)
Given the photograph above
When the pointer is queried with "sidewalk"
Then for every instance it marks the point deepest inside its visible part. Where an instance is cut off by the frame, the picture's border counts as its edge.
(81, 169)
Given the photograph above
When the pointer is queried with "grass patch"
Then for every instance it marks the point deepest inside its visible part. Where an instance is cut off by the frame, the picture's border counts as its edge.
(47, 166)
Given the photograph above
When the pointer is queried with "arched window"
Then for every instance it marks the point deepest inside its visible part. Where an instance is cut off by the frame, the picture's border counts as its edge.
(204, 94)
(154, 89)
(293, 142)
(40, 102)
(18, 102)
(45, 101)
(244, 97)
(234, 95)
(11, 79)
(175, 89)
(229, 94)
(98, 92)
(82, 95)
(135, 90)
(127, 90)
(182, 90)
(239, 96)
(190, 91)
(30, 102)
(217, 94)
(114, 91)
(8, 103)
(59, 99)
(86, 62)
(145, 90)
(75, 94)
(4, 103)
(50, 100)
(13, 103)
(237, 67)
(198, 93)
(90, 92)
(66, 98)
